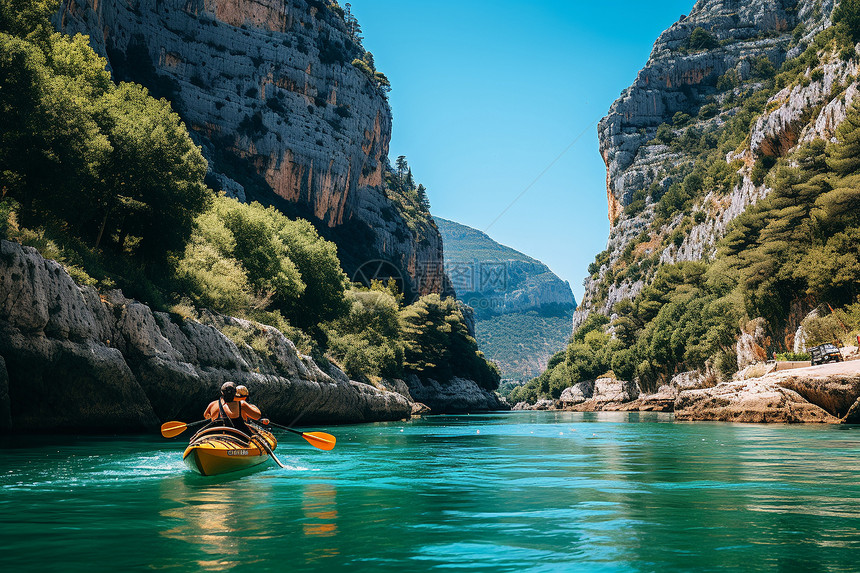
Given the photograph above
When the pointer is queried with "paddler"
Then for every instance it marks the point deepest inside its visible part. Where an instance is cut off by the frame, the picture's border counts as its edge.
(232, 408)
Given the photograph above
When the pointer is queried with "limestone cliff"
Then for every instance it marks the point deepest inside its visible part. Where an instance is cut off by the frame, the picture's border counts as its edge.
(694, 82)
(72, 360)
(268, 89)
(522, 309)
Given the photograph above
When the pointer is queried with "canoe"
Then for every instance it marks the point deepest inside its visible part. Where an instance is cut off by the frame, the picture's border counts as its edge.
(221, 449)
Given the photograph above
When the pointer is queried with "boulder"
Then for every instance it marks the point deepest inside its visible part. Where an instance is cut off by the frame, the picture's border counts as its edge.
(691, 380)
(827, 393)
(577, 393)
(544, 405)
(419, 409)
(612, 390)
(799, 344)
(835, 393)
(457, 396)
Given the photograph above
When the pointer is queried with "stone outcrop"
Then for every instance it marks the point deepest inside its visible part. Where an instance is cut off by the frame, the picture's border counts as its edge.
(822, 394)
(749, 401)
(576, 394)
(540, 405)
(268, 89)
(752, 343)
(74, 360)
(457, 396)
(680, 78)
(828, 393)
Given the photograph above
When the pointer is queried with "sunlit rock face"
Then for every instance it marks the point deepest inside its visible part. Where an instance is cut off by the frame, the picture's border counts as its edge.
(268, 89)
(679, 77)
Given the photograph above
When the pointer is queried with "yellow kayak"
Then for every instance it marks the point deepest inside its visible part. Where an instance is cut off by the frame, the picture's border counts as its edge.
(222, 449)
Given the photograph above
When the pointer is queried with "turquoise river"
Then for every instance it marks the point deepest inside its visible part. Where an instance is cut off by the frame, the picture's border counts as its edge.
(529, 491)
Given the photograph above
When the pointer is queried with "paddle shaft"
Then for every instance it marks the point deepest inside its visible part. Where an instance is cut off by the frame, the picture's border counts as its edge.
(319, 440)
(265, 445)
(297, 432)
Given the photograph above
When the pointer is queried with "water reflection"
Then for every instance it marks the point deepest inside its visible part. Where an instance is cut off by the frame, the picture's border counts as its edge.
(221, 517)
(319, 505)
(320, 508)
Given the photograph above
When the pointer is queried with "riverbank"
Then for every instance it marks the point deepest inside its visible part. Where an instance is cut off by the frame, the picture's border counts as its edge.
(828, 393)
(72, 359)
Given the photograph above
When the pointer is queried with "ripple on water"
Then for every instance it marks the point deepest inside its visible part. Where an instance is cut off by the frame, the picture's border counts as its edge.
(511, 492)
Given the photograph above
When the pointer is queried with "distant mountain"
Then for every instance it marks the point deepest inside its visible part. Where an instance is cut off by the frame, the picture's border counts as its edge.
(523, 310)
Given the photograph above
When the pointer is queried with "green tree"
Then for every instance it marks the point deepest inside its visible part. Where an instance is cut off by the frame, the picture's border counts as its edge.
(29, 19)
(437, 342)
(701, 39)
(847, 17)
(401, 166)
(367, 340)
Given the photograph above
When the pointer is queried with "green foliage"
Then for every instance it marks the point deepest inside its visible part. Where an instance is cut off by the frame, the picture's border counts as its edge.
(792, 356)
(701, 39)
(762, 68)
(680, 119)
(438, 343)
(106, 180)
(761, 168)
(246, 256)
(518, 341)
(708, 111)
(115, 165)
(601, 259)
(29, 19)
(362, 66)
(683, 320)
(366, 341)
(665, 134)
(728, 81)
(847, 17)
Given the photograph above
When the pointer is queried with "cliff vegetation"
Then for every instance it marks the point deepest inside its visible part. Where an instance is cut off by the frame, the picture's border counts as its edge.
(661, 301)
(105, 179)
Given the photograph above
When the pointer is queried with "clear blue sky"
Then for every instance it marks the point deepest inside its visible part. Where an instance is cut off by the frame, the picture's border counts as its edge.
(487, 94)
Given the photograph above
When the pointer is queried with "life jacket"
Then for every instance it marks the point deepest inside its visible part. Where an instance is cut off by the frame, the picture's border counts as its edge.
(238, 423)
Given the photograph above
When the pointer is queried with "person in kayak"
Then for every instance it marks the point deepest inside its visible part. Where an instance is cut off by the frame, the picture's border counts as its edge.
(232, 408)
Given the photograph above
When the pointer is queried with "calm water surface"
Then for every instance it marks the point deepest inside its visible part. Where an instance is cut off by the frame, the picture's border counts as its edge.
(530, 491)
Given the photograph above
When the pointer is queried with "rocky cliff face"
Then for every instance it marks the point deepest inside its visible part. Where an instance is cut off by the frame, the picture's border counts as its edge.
(683, 76)
(71, 360)
(268, 89)
(495, 279)
(522, 309)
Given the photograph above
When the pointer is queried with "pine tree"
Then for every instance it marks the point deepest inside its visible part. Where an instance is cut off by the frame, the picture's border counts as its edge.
(353, 28)
(844, 156)
(401, 166)
(422, 197)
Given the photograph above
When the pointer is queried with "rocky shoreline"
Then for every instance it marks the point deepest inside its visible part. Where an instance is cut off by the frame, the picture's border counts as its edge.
(819, 394)
(74, 360)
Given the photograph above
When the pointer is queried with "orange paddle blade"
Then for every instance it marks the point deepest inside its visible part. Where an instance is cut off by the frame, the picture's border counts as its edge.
(320, 440)
(173, 429)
